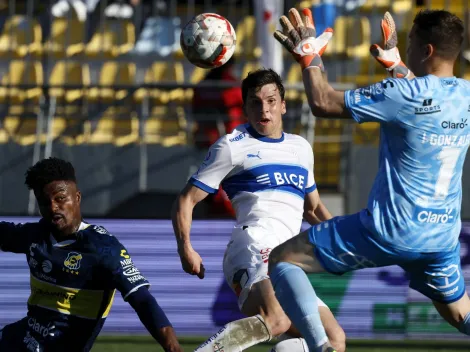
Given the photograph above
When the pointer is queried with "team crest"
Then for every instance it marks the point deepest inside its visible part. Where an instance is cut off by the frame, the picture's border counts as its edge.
(72, 263)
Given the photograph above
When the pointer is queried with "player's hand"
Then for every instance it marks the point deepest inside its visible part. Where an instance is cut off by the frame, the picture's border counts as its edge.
(299, 37)
(389, 55)
(192, 262)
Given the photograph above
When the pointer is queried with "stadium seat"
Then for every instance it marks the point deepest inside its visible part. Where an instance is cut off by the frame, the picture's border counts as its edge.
(247, 46)
(164, 126)
(22, 72)
(113, 74)
(113, 38)
(366, 133)
(21, 36)
(69, 73)
(158, 72)
(327, 149)
(21, 124)
(160, 36)
(66, 39)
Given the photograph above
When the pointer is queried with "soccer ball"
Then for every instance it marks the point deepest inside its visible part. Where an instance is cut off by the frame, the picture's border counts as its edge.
(208, 40)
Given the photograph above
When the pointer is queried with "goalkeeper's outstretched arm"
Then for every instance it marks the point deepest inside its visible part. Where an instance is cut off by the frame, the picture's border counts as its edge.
(323, 99)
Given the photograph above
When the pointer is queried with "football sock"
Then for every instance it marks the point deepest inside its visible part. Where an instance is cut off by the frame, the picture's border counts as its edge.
(299, 301)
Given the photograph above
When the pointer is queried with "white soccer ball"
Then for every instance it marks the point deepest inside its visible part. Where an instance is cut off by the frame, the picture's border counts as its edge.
(208, 40)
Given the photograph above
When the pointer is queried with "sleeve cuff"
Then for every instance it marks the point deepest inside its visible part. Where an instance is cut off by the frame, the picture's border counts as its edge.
(347, 94)
(124, 297)
(202, 186)
(311, 188)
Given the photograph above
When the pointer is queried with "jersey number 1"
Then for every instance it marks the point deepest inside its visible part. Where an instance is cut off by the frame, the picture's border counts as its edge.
(448, 158)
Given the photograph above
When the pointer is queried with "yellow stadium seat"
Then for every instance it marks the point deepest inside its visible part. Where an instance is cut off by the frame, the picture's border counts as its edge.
(113, 38)
(366, 133)
(26, 130)
(113, 74)
(126, 131)
(66, 39)
(162, 72)
(348, 40)
(247, 46)
(21, 36)
(72, 73)
(164, 127)
(22, 72)
(376, 5)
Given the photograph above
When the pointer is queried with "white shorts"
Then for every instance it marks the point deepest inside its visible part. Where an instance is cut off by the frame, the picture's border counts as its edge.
(246, 260)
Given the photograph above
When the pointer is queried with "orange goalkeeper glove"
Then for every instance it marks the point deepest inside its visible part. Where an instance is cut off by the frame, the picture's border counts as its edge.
(298, 36)
(389, 55)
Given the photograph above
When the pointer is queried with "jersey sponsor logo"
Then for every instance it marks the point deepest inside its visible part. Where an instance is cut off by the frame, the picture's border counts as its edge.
(135, 278)
(126, 263)
(46, 266)
(238, 138)
(454, 125)
(41, 329)
(33, 245)
(131, 271)
(427, 108)
(445, 140)
(45, 277)
(100, 230)
(282, 178)
(265, 254)
(72, 262)
(32, 263)
(31, 343)
(435, 216)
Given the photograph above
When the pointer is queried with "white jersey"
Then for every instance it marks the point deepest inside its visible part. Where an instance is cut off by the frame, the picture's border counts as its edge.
(266, 179)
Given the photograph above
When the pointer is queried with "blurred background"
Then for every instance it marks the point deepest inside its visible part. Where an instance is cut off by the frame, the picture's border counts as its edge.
(104, 84)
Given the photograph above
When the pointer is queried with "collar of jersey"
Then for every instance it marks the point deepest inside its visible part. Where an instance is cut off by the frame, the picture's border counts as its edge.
(262, 138)
(67, 242)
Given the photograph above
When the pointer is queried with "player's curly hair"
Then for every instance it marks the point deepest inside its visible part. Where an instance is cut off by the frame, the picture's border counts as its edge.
(47, 171)
(259, 78)
(442, 29)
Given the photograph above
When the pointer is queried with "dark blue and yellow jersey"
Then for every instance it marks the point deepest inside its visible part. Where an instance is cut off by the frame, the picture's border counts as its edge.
(72, 282)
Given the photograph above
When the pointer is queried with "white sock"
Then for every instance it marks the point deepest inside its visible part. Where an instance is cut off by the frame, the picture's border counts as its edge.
(237, 336)
(291, 345)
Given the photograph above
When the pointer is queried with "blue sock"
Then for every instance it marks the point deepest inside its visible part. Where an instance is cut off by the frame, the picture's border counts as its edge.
(298, 299)
(465, 325)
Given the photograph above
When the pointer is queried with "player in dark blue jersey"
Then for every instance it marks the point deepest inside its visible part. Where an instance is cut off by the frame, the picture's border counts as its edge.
(75, 269)
(412, 218)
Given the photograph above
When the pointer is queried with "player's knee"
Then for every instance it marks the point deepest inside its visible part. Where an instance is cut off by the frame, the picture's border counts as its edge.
(275, 257)
(337, 339)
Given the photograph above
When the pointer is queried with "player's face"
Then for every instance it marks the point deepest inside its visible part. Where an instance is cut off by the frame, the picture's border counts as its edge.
(264, 109)
(59, 204)
(417, 54)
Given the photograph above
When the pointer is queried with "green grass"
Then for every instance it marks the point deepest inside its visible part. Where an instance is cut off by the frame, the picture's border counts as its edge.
(146, 344)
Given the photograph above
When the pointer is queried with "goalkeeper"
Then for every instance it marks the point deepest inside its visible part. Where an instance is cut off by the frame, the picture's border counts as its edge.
(412, 218)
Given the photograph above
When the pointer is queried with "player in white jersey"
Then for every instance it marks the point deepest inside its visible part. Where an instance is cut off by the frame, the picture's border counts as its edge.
(268, 175)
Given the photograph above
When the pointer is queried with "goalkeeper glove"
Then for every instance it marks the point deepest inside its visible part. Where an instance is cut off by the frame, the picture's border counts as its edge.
(298, 36)
(389, 55)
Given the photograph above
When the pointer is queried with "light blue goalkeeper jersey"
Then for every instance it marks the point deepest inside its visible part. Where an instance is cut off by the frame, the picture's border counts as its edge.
(416, 198)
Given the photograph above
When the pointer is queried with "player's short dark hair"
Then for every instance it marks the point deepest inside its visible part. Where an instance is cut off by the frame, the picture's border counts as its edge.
(442, 29)
(47, 171)
(259, 78)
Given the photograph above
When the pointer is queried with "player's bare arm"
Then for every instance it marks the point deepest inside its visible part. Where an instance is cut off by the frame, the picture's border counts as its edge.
(315, 211)
(182, 217)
